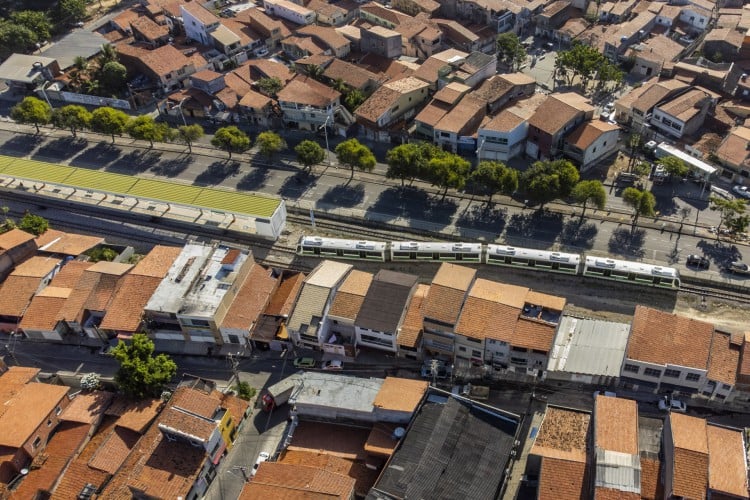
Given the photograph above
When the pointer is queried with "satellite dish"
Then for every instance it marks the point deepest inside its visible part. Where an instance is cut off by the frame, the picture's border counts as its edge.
(24, 472)
(399, 432)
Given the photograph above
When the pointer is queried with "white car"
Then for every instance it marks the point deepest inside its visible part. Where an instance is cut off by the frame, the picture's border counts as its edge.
(742, 191)
(332, 364)
(262, 457)
(672, 405)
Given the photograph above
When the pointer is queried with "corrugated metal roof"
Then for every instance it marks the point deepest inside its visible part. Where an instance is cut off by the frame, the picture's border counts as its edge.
(619, 471)
(589, 346)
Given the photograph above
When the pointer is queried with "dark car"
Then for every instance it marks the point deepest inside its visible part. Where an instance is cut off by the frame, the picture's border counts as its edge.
(698, 261)
(739, 268)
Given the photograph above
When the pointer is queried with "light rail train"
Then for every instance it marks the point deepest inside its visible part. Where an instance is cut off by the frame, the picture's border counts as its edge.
(633, 272)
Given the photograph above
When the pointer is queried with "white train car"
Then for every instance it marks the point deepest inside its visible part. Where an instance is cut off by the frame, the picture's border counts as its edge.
(633, 272)
(436, 251)
(542, 260)
(344, 249)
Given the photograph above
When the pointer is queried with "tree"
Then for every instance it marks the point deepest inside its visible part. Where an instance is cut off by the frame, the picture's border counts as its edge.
(589, 191)
(586, 63)
(447, 171)
(36, 21)
(90, 381)
(72, 117)
(107, 54)
(495, 177)
(32, 110)
(144, 128)
(231, 139)
(79, 71)
(509, 50)
(309, 154)
(141, 374)
(354, 154)
(98, 253)
(353, 99)
(634, 142)
(71, 11)
(545, 181)
(270, 143)
(642, 203)
(110, 121)
(15, 38)
(34, 224)
(270, 86)
(673, 166)
(731, 213)
(189, 134)
(112, 77)
(315, 72)
(405, 161)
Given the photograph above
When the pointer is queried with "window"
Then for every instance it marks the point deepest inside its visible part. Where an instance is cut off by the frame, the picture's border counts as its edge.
(462, 348)
(593, 150)
(58, 410)
(726, 387)
(651, 372)
(672, 373)
(234, 339)
(692, 377)
(49, 422)
(36, 442)
(198, 322)
(631, 368)
(476, 354)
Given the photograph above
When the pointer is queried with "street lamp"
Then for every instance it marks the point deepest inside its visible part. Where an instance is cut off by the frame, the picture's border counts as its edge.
(44, 93)
(479, 148)
(179, 106)
(325, 131)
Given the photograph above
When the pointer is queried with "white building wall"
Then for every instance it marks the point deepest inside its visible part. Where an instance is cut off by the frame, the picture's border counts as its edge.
(496, 351)
(662, 378)
(493, 149)
(294, 13)
(667, 123)
(194, 29)
(468, 349)
(385, 341)
(694, 18)
(602, 146)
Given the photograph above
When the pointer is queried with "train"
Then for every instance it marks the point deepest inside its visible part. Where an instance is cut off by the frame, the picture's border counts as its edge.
(638, 273)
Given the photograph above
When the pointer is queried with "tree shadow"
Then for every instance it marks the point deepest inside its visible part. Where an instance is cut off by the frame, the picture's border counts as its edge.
(21, 143)
(394, 202)
(135, 162)
(578, 234)
(626, 243)
(343, 195)
(62, 147)
(666, 206)
(217, 172)
(253, 180)
(722, 253)
(438, 212)
(540, 225)
(173, 167)
(483, 217)
(296, 185)
(97, 157)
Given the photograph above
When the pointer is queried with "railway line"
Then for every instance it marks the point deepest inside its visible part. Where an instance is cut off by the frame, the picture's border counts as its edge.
(717, 293)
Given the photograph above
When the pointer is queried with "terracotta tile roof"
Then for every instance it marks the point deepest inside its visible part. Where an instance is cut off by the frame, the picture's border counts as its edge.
(432, 113)
(17, 292)
(744, 368)
(253, 490)
(235, 406)
(484, 314)
(54, 241)
(651, 481)
(685, 106)
(317, 459)
(304, 478)
(563, 435)
(616, 424)
(206, 75)
(199, 12)
(587, 132)
(113, 452)
(26, 411)
(411, 328)
(561, 480)
(268, 68)
(601, 493)
(306, 91)
(122, 20)
(351, 295)
(13, 238)
(364, 478)
(532, 334)
(196, 402)
(126, 307)
(37, 267)
(690, 475)
(251, 299)
(681, 340)
(400, 394)
(505, 121)
(327, 35)
(136, 416)
(454, 276)
(70, 273)
(724, 359)
(255, 100)
(149, 28)
(237, 84)
(727, 469)
(63, 444)
(343, 442)
(164, 59)
(443, 304)
(380, 441)
(283, 299)
(688, 432)
(351, 74)
(43, 311)
(306, 45)
(733, 148)
(554, 113)
(651, 94)
(462, 119)
(377, 104)
(87, 408)
(552, 302)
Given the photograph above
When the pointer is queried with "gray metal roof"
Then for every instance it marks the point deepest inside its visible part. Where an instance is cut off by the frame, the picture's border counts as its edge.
(452, 450)
(332, 390)
(618, 471)
(76, 43)
(386, 301)
(20, 67)
(589, 346)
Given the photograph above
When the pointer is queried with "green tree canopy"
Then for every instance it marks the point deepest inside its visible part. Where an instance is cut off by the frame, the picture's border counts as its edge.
(110, 121)
(590, 192)
(731, 213)
(586, 63)
(15, 38)
(112, 77)
(189, 134)
(510, 52)
(495, 177)
(107, 54)
(71, 11)
(405, 161)
(270, 86)
(72, 117)
(642, 203)
(269, 144)
(673, 166)
(309, 154)
(447, 171)
(34, 224)
(144, 128)
(547, 180)
(32, 110)
(353, 99)
(141, 374)
(354, 154)
(36, 21)
(231, 139)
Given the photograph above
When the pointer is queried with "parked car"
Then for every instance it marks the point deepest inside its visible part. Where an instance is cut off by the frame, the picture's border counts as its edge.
(698, 261)
(332, 364)
(741, 191)
(304, 362)
(262, 457)
(739, 267)
(672, 405)
(610, 107)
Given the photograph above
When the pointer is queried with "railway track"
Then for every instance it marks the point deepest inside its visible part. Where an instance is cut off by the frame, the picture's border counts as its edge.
(716, 293)
(357, 230)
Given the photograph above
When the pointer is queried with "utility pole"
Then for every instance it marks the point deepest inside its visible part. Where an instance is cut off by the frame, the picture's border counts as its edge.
(232, 358)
